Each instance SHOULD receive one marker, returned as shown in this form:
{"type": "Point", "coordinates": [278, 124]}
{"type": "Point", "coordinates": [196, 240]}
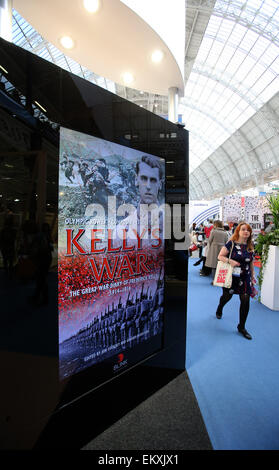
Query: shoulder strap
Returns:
{"type": "Point", "coordinates": [231, 250]}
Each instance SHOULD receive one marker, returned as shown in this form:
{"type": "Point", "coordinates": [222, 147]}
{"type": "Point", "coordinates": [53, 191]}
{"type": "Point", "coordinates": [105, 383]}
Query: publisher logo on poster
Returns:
{"type": "Point", "coordinates": [121, 362]}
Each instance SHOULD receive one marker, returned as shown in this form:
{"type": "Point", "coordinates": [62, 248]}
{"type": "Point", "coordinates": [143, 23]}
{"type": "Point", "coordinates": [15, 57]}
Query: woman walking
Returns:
{"type": "Point", "coordinates": [217, 238]}
{"type": "Point", "coordinates": [242, 258]}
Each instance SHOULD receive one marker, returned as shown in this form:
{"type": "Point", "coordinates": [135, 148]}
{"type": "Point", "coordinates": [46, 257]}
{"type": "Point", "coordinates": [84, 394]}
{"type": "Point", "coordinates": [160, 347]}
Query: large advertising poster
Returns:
{"type": "Point", "coordinates": [110, 253]}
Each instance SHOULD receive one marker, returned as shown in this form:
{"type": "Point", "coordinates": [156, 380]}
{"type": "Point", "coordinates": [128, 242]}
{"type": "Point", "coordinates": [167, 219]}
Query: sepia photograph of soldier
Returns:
{"type": "Point", "coordinates": [142, 219]}
{"type": "Point", "coordinates": [149, 176]}
{"type": "Point", "coordinates": [145, 220]}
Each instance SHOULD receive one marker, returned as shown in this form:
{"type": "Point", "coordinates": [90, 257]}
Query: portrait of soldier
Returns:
{"type": "Point", "coordinates": [145, 218]}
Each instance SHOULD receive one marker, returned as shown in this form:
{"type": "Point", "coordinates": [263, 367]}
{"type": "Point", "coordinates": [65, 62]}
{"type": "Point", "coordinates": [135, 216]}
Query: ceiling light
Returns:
{"type": "Point", "coordinates": [4, 70]}
{"type": "Point", "coordinates": [91, 5]}
{"type": "Point", "coordinates": [40, 106]}
{"type": "Point", "coordinates": [67, 42]}
{"type": "Point", "coordinates": [127, 78]}
{"type": "Point", "coordinates": [157, 56]}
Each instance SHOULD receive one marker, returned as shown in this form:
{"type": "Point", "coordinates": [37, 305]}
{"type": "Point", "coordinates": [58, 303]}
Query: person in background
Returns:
{"type": "Point", "coordinates": [201, 244]}
{"type": "Point", "coordinates": [241, 257]}
{"type": "Point", "coordinates": [204, 271]}
{"type": "Point", "coordinates": [234, 227]}
{"type": "Point", "coordinates": [201, 236]}
{"type": "Point", "coordinates": [208, 228]}
{"type": "Point", "coordinates": [7, 245]}
{"type": "Point", "coordinates": [270, 227]}
{"type": "Point", "coordinates": [227, 228]}
{"type": "Point", "coordinates": [217, 238]}
{"type": "Point", "coordinates": [193, 242]}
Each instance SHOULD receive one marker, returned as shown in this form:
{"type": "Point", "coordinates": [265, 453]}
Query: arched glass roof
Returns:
{"type": "Point", "coordinates": [235, 73]}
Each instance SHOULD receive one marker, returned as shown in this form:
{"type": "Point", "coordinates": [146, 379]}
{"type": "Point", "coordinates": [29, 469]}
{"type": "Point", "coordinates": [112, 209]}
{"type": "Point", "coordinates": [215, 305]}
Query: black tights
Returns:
{"type": "Point", "coordinates": [244, 305]}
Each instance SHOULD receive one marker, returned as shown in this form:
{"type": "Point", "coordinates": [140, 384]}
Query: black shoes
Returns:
{"type": "Point", "coordinates": [219, 313]}
{"type": "Point", "coordinates": [197, 263]}
{"type": "Point", "coordinates": [244, 332]}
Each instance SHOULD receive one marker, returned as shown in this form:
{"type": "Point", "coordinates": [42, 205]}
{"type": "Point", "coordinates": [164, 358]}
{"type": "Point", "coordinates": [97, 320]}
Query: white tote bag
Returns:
{"type": "Point", "coordinates": [223, 274]}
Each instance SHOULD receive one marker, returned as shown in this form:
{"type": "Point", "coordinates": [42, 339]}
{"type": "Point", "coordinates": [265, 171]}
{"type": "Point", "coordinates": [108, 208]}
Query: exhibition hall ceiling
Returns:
{"type": "Point", "coordinates": [234, 73]}
{"type": "Point", "coordinates": [230, 104]}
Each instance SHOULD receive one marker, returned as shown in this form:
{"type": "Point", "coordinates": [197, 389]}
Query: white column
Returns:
{"type": "Point", "coordinates": [6, 16]}
{"type": "Point", "coordinates": [269, 290]}
{"type": "Point", "coordinates": [173, 104]}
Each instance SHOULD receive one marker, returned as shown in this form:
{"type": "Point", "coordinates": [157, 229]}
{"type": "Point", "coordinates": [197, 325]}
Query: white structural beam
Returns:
{"type": "Point", "coordinates": [6, 19]}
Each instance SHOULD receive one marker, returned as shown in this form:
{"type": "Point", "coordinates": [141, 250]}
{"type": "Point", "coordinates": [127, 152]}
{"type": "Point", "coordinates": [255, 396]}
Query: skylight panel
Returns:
{"type": "Point", "coordinates": [226, 28]}
{"type": "Point", "coordinates": [249, 40]}
{"type": "Point", "coordinates": [238, 34]}
{"type": "Point", "coordinates": [213, 25]}
{"type": "Point", "coordinates": [262, 82]}
{"type": "Point", "coordinates": [214, 53]}
{"type": "Point", "coordinates": [254, 4]}
{"type": "Point", "coordinates": [246, 67]}
{"type": "Point", "coordinates": [44, 53]}
{"type": "Point", "coordinates": [206, 47]}
{"type": "Point", "coordinates": [270, 90]}
{"type": "Point", "coordinates": [269, 8]}
{"type": "Point", "coordinates": [75, 68]}
{"type": "Point", "coordinates": [235, 62]}
{"type": "Point", "coordinates": [271, 54]}
{"type": "Point", "coordinates": [260, 47]}
{"type": "Point", "coordinates": [225, 57]}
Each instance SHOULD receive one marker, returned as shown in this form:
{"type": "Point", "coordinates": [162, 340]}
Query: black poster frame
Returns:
{"type": "Point", "coordinates": [69, 418]}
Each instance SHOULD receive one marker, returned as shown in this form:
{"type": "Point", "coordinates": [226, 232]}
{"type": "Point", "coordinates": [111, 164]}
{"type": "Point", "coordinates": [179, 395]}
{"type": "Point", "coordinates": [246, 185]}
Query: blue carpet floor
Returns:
{"type": "Point", "coordinates": [236, 381]}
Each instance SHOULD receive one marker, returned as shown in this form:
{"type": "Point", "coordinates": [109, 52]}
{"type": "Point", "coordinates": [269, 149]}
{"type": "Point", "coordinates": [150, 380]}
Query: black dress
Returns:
{"type": "Point", "coordinates": [241, 284]}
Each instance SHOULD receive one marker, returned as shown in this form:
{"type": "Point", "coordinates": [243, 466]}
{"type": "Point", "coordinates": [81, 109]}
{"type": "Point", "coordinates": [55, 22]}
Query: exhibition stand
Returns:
{"type": "Point", "coordinates": [106, 326]}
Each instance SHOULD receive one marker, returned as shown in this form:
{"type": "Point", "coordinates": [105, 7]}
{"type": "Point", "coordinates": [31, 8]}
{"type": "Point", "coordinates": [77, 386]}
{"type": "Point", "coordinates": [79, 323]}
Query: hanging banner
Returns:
{"type": "Point", "coordinates": [200, 211]}
{"type": "Point", "coordinates": [110, 257]}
